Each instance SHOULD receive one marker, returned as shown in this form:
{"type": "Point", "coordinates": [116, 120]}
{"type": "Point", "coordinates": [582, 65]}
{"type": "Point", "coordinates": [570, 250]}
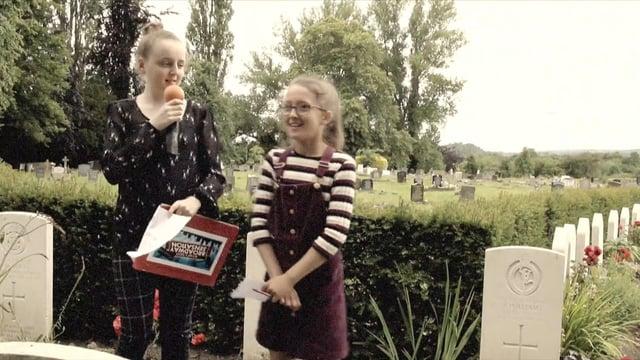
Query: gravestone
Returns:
{"type": "Point", "coordinates": [417, 192]}
{"type": "Point", "coordinates": [561, 245]}
{"type": "Point", "coordinates": [230, 179]}
{"type": "Point", "coordinates": [95, 165]}
{"type": "Point", "coordinates": [42, 169]}
{"type": "Point", "coordinates": [522, 304]}
{"type": "Point", "coordinates": [597, 234]}
{"type": "Point", "coordinates": [402, 176]}
{"type": "Point", "coordinates": [27, 291]}
{"type": "Point", "coordinates": [570, 233]}
{"type": "Point", "coordinates": [467, 192]}
{"type": "Point", "coordinates": [375, 174]}
{"type": "Point", "coordinates": [93, 175]}
{"type": "Point", "coordinates": [419, 179]}
{"type": "Point", "coordinates": [358, 184]}
{"type": "Point", "coordinates": [23, 167]}
{"type": "Point", "coordinates": [256, 168]}
{"type": "Point", "coordinates": [367, 185]}
{"type": "Point", "coordinates": [57, 172]}
{"type": "Point", "coordinates": [65, 161]}
{"type": "Point", "coordinates": [46, 351]}
{"type": "Point", "coordinates": [585, 184]}
{"type": "Point", "coordinates": [244, 167]}
{"type": "Point", "coordinates": [83, 170]}
{"type": "Point", "coordinates": [457, 176]}
{"type": "Point", "coordinates": [360, 169]}
{"type": "Point", "coordinates": [252, 183]}
{"type": "Point", "coordinates": [437, 181]}
{"type": "Point", "coordinates": [39, 172]}
{"type": "Point", "coordinates": [635, 213]}
{"type": "Point", "coordinates": [612, 225]}
{"type": "Point", "coordinates": [614, 183]}
{"type": "Point", "coordinates": [624, 222]}
{"type": "Point", "coordinates": [582, 238]}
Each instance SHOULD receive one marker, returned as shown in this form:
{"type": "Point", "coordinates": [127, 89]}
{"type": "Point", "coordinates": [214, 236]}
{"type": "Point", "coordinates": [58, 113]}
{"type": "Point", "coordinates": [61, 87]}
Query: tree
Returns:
{"type": "Point", "coordinates": [118, 31]}
{"type": "Point", "coordinates": [34, 115]}
{"type": "Point", "coordinates": [414, 57]}
{"type": "Point", "coordinates": [450, 157]}
{"type": "Point", "coordinates": [211, 42]}
{"type": "Point", "coordinates": [471, 166]}
{"type": "Point", "coordinates": [10, 49]}
{"type": "Point", "coordinates": [333, 42]}
{"type": "Point", "coordinates": [524, 162]}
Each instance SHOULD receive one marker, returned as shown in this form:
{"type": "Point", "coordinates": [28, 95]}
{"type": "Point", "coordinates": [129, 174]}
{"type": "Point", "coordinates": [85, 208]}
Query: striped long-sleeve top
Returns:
{"type": "Point", "coordinates": [338, 190]}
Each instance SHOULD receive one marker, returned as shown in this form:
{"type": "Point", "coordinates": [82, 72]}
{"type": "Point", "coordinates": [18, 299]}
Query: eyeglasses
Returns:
{"type": "Point", "coordinates": [301, 109]}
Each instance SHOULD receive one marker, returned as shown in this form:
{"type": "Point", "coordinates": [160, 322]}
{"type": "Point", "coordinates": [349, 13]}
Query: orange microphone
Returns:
{"type": "Point", "coordinates": [173, 92]}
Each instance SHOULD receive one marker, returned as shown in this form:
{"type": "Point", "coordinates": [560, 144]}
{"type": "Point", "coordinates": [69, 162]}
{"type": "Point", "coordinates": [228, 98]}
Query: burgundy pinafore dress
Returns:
{"type": "Point", "coordinates": [318, 331]}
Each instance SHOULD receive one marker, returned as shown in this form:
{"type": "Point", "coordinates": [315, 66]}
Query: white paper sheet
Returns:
{"type": "Point", "coordinates": [251, 289]}
{"type": "Point", "coordinates": [163, 227]}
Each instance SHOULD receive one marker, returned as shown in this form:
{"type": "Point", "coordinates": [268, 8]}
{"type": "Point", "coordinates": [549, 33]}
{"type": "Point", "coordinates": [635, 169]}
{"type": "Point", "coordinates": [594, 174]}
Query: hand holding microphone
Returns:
{"type": "Point", "coordinates": [174, 109]}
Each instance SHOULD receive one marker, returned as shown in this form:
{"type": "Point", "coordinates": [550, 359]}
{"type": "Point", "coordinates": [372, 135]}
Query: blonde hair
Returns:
{"type": "Point", "coordinates": [150, 34]}
{"type": "Point", "coordinates": [328, 98]}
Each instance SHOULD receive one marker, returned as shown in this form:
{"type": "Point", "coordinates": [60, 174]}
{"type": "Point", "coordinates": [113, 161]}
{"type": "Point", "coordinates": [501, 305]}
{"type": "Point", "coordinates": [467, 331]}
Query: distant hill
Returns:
{"type": "Point", "coordinates": [466, 150]}
{"type": "Point", "coordinates": [577, 152]}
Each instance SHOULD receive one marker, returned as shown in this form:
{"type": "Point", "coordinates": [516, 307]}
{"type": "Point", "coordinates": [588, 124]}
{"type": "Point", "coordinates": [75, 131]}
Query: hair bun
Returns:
{"type": "Point", "coordinates": [151, 27]}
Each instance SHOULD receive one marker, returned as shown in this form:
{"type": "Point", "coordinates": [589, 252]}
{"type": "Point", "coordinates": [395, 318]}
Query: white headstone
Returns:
{"type": "Point", "coordinates": [624, 222]}
{"type": "Point", "coordinates": [254, 269]}
{"type": "Point", "coordinates": [48, 351]}
{"type": "Point", "coordinates": [57, 172]}
{"type": "Point", "coordinates": [27, 291]}
{"type": "Point", "coordinates": [612, 225]}
{"type": "Point", "coordinates": [635, 213]}
{"type": "Point", "coordinates": [83, 170]}
{"type": "Point", "coordinates": [522, 304]}
{"type": "Point", "coordinates": [597, 234]}
{"type": "Point", "coordinates": [583, 238]}
{"type": "Point", "coordinates": [570, 233]}
{"type": "Point", "coordinates": [360, 169]}
{"type": "Point", "coordinates": [561, 245]}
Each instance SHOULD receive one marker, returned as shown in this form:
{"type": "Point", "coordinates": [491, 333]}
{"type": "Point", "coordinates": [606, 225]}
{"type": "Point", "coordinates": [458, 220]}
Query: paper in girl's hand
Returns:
{"type": "Point", "coordinates": [163, 227]}
{"type": "Point", "coordinates": [251, 289]}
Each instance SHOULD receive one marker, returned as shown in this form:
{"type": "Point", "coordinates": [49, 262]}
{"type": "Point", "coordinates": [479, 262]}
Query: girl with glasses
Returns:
{"type": "Point", "coordinates": [299, 223]}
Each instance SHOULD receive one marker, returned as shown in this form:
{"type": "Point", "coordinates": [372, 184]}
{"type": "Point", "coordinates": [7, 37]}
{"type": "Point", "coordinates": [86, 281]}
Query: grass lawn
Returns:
{"type": "Point", "coordinates": [386, 191]}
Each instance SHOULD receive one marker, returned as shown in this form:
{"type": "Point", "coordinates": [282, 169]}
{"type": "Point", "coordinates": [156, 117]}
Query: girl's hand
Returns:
{"type": "Point", "coordinates": [169, 113]}
{"type": "Point", "coordinates": [187, 207]}
{"type": "Point", "coordinates": [282, 291]}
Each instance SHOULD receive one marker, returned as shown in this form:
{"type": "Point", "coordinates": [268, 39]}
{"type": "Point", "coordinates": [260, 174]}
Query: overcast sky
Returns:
{"type": "Point", "coordinates": [549, 75]}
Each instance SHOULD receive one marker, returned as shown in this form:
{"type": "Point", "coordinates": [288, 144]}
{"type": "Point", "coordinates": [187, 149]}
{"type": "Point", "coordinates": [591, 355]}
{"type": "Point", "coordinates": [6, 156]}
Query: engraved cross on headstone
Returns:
{"type": "Point", "coordinates": [519, 344]}
{"type": "Point", "coordinates": [12, 299]}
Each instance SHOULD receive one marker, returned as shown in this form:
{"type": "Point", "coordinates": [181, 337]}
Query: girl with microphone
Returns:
{"type": "Point", "coordinates": [151, 167]}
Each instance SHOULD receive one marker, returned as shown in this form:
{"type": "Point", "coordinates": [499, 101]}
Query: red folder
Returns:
{"type": "Point", "coordinates": [196, 254]}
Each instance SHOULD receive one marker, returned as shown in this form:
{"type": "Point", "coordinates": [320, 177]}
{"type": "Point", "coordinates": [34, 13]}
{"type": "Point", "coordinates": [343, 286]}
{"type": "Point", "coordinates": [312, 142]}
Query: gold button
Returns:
{"type": "Point", "coordinates": [291, 192]}
{"type": "Point", "coordinates": [291, 252]}
{"type": "Point", "coordinates": [316, 186]}
{"type": "Point", "coordinates": [292, 231]}
{"type": "Point", "coordinates": [291, 211]}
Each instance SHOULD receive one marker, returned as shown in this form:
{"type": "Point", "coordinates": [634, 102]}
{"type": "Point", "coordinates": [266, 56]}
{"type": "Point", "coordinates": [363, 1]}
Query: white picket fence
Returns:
{"type": "Point", "coordinates": [571, 240]}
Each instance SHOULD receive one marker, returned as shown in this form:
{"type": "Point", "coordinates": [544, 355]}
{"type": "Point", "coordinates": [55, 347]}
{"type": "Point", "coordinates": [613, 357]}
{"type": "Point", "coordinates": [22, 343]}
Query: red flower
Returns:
{"type": "Point", "coordinates": [117, 326]}
{"type": "Point", "coordinates": [591, 254]}
{"type": "Point", "coordinates": [198, 339]}
{"type": "Point", "coordinates": [156, 305]}
{"type": "Point", "coordinates": [626, 357]}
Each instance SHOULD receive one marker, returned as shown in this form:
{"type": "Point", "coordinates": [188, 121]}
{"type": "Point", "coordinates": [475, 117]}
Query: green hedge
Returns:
{"type": "Point", "coordinates": [396, 246]}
